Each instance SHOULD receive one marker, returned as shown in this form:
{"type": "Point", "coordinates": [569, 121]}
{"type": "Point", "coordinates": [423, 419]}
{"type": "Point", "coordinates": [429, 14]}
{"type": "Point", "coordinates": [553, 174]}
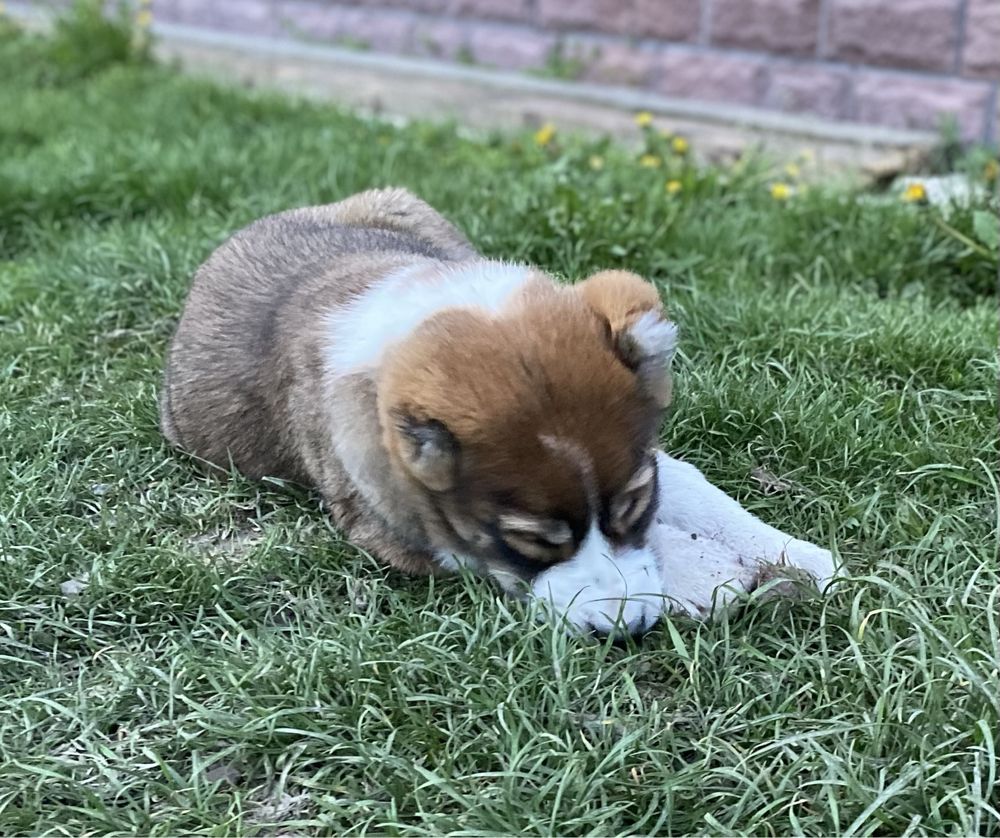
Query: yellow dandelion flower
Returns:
{"type": "Point", "coordinates": [643, 118]}
{"type": "Point", "coordinates": [596, 162]}
{"type": "Point", "coordinates": [915, 192]}
{"type": "Point", "coordinates": [991, 171]}
{"type": "Point", "coordinates": [649, 161]}
{"type": "Point", "coordinates": [673, 187]}
{"type": "Point", "coordinates": [679, 145]}
{"type": "Point", "coordinates": [781, 191]}
{"type": "Point", "coordinates": [792, 170]}
{"type": "Point", "coordinates": [544, 135]}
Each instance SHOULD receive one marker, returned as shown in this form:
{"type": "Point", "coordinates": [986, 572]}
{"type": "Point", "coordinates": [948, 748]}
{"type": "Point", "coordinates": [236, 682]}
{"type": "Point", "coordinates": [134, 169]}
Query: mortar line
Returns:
{"type": "Point", "coordinates": [961, 25]}
{"type": "Point", "coordinates": [822, 29]}
{"type": "Point", "coordinates": [990, 135]}
{"type": "Point", "coordinates": [705, 22]}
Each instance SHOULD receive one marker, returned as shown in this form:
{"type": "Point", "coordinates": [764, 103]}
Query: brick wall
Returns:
{"type": "Point", "coordinates": [899, 63]}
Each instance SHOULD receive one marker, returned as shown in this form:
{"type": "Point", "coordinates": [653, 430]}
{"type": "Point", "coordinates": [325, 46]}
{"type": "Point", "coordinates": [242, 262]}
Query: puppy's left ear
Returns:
{"type": "Point", "coordinates": [640, 334]}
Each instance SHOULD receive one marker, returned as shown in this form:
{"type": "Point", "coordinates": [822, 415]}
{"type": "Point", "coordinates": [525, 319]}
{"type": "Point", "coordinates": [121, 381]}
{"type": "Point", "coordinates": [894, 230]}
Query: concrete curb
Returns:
{"type": "Point", "coordinates": [621, 98]}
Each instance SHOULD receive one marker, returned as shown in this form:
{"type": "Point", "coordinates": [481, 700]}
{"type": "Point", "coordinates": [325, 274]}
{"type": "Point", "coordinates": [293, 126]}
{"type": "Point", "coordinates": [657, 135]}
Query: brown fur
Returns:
{"type": "Point", "coordinates": [450, 431]}
{"type": "Point", "coordinates": [620, 297]}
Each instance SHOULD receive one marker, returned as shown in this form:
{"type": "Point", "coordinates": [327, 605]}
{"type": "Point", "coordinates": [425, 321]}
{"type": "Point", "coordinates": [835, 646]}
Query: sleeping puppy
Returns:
{"type": "Point", "coordinates": [450, 409]}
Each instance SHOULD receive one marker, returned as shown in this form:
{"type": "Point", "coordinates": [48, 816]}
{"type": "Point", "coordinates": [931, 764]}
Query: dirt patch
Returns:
{"type": "Point", "coordinates": [280, 808]}
{"type": "Point", "coordinates": [231, 543]}
{"type": "Point", "coordinates": [769, 482]}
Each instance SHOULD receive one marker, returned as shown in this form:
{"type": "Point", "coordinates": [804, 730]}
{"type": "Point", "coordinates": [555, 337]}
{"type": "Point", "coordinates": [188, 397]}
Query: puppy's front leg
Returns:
{"type": "Point", "coordinates": [692, 509]}
{"type": "Point", "coordinates": [367, 531]}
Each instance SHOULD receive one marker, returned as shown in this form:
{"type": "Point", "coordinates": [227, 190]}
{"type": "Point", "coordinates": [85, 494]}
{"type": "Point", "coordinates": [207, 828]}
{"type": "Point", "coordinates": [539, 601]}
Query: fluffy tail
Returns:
{"type": "Point", "coordinates": [400, 210]}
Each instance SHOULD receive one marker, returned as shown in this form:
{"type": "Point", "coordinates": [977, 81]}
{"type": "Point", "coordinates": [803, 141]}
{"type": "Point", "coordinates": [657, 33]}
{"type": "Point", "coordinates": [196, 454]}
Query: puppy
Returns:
{"type": "Point", "coordinates": [450, 409]}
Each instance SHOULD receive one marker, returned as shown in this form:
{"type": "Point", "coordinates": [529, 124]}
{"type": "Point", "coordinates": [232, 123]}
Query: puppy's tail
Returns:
{"type": "Point", "coordinates": [399, 210]}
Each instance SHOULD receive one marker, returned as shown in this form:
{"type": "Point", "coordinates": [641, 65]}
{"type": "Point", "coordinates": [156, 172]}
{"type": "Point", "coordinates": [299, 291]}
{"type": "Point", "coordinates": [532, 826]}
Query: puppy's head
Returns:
{"type": "Point", "coordinates": [528, 436]}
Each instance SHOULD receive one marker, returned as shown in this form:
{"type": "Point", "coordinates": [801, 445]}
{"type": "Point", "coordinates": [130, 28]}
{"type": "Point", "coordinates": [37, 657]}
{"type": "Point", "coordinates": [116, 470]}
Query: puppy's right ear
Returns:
{"type": "Point", "coordinates": [429, 451]}
{"type": "Point", "coordinates": [639, 332]}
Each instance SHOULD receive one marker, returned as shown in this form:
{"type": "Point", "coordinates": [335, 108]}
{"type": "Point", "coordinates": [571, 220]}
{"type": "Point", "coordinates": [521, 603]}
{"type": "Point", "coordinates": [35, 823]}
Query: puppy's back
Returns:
{"type": "Point", "coordinates": [252, 326]}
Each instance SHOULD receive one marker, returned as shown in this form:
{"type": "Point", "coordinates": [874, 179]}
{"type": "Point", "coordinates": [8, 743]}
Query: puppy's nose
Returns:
{"type": "Point", "coordinates": [636, 629]}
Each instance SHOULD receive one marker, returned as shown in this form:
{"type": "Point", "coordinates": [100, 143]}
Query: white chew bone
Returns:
{"type": "Point", "coordinates": [711, 548]}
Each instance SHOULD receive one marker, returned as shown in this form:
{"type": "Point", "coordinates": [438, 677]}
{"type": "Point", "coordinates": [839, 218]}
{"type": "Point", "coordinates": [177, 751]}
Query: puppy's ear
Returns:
{"type": "Point", "coordinates": [428, 450]}
{"type": "Point", "coordinates": [638, 329]}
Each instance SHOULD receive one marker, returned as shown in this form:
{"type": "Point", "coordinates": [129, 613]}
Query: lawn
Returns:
{"type": "Point", "coordinates": [179, 656]}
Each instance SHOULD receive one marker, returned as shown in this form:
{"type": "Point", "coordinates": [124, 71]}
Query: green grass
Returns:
{"type": "Point", "coordinates": [231, 666]}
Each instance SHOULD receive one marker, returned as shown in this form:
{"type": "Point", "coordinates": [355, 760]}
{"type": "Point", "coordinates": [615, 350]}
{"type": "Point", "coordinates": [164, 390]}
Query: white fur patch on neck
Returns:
{"type": "Point", "coordinates": [387, 313]}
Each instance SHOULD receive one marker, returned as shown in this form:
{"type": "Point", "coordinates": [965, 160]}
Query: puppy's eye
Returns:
{"type": "Point", "coordinates": [631, 505]}
{"type": "Point", "coordinates": [626, 509]}
{"type": "Point", "coordinates": [537, 539]}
